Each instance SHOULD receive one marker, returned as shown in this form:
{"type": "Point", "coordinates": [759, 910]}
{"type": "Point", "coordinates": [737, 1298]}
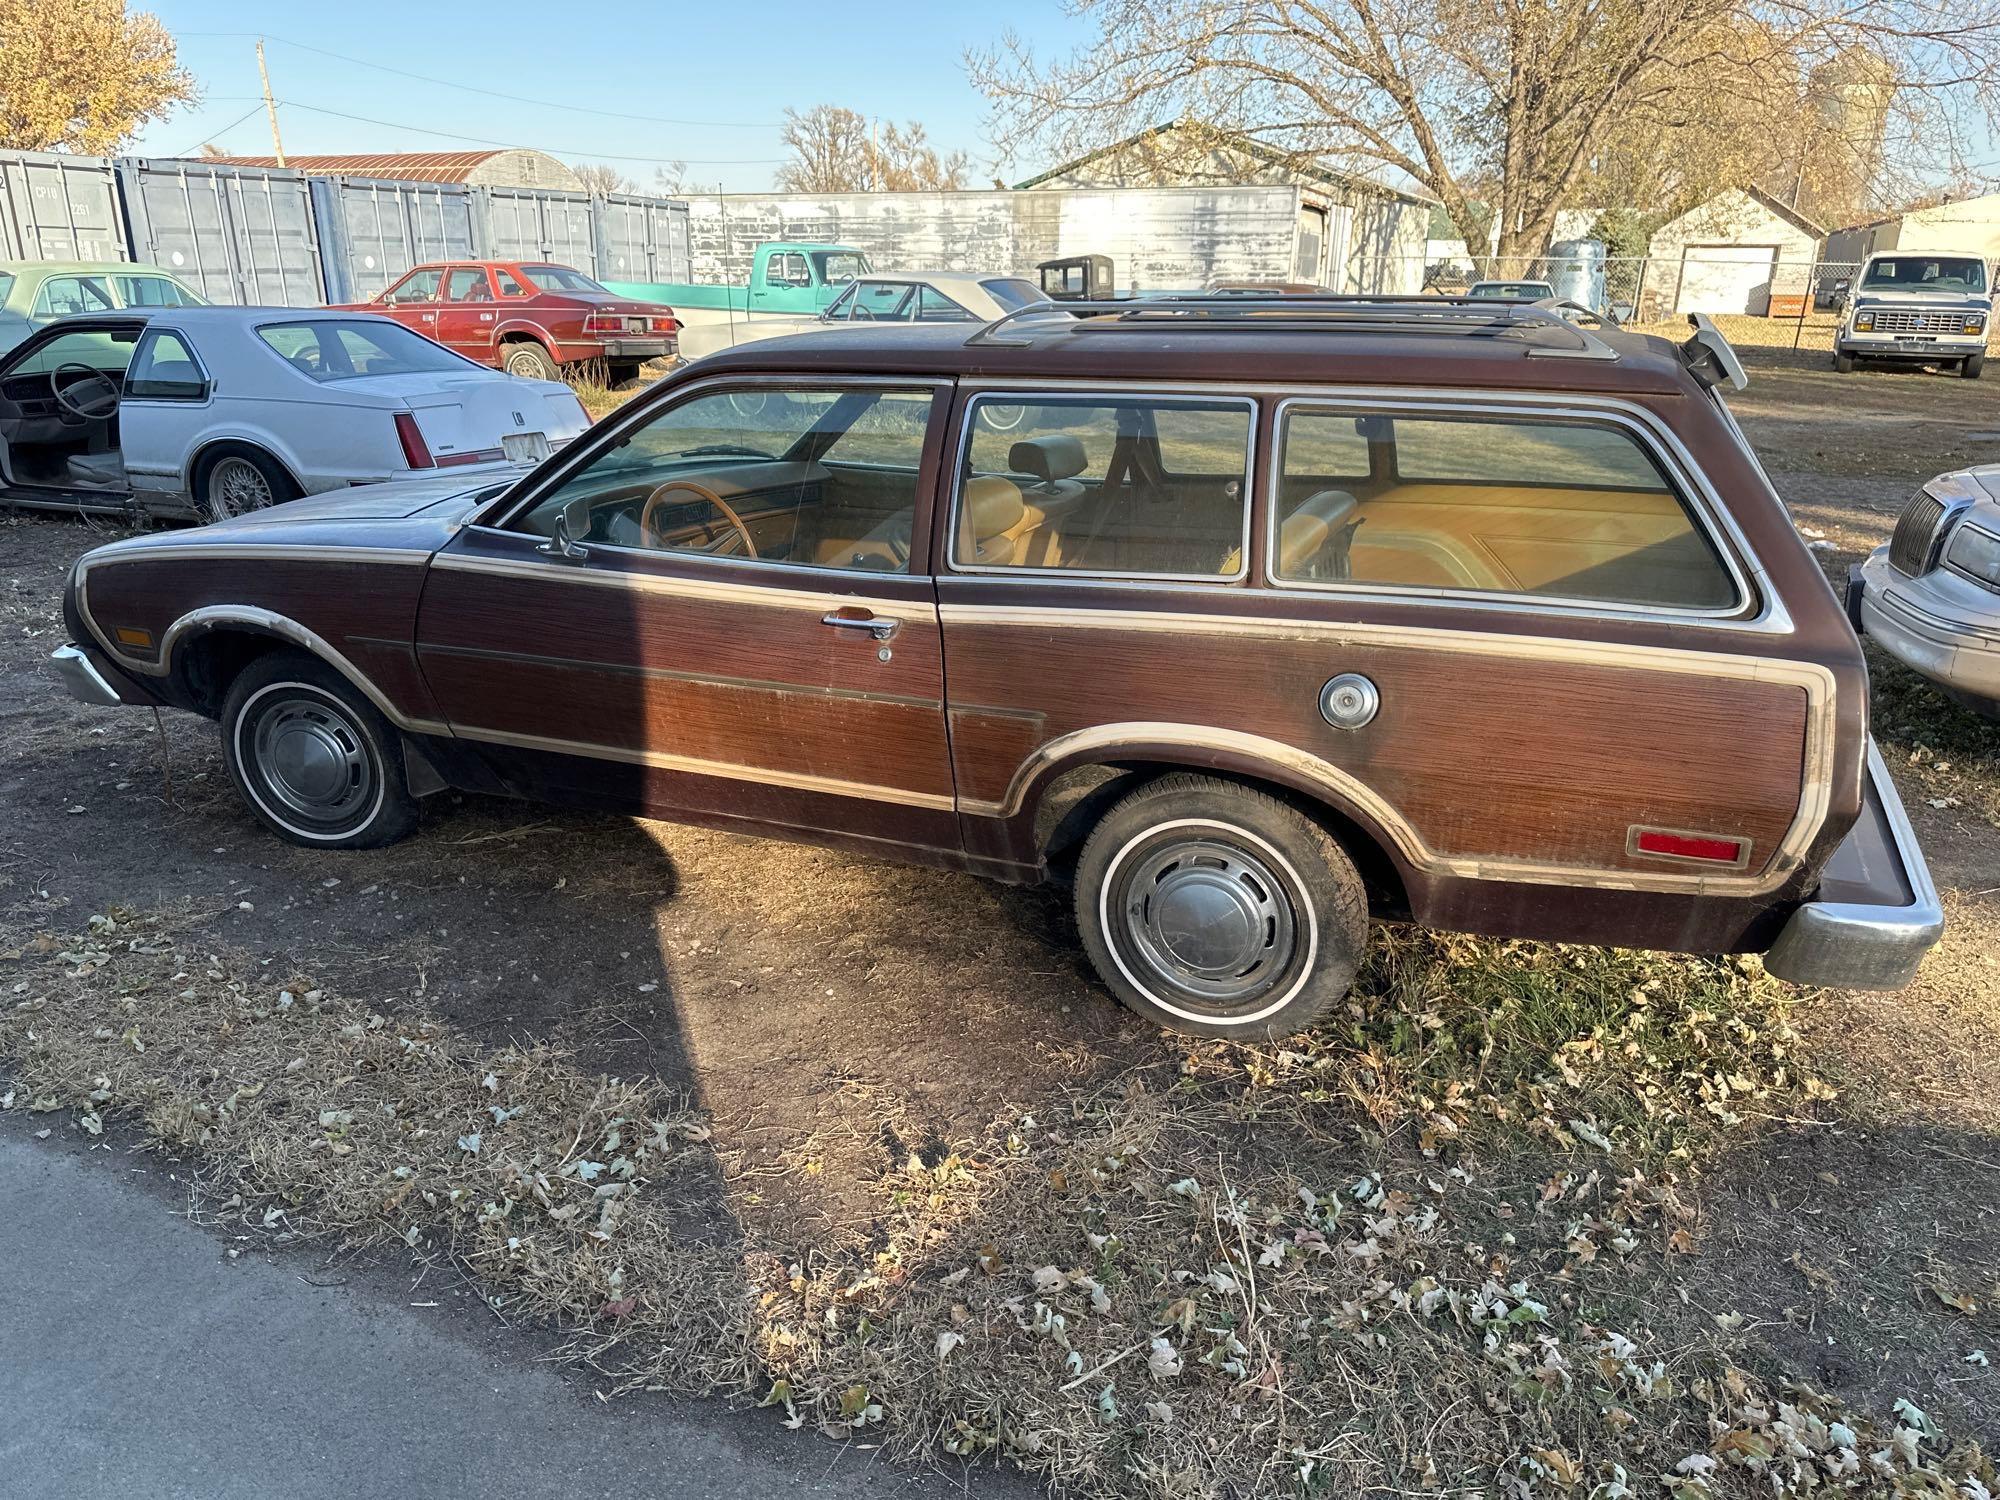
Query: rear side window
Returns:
{"type": "Point", "coordinates": [154, 291]}
{"type": "Point", "coordinates": [1137, 486]}
{"type": "Point", "coordinates": [325, 350]}
{"type": "Point", "coordinates": [1544, 507]}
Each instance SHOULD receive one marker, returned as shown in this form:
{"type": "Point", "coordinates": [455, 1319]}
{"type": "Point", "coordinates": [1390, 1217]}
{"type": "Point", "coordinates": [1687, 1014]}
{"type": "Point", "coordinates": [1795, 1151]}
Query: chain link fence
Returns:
{"type": "Point", "coordinates": [1758, 297]}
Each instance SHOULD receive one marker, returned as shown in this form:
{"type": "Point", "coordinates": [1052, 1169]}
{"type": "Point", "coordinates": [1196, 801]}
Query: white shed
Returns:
{"type": "Point", "coordinates": [1971, 225]}
{"type": "Point", "coordinates": [1732, 254]}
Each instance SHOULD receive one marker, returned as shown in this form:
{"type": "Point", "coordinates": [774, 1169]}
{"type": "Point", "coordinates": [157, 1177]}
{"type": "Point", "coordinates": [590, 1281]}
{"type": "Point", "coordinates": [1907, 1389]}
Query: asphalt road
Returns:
{"type": "Point", "coordinates": [137, 1359]}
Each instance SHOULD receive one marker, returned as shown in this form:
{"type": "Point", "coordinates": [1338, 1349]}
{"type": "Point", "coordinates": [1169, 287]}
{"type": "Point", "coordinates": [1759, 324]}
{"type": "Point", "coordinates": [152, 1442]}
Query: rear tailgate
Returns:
{"type": "Point", "coordinates": [485, 418]}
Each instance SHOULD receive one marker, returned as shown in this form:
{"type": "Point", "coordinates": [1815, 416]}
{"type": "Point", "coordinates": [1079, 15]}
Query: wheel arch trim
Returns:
{"type": "Point", "coordinates": [212, 441]}
{"type": "Point", "coordinates": [251, 620]}
{"type": "Point", "coordinates": [1202, 747]}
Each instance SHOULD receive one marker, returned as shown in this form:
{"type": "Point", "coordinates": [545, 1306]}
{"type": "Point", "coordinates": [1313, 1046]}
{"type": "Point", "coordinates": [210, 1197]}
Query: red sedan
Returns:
{"type": "Point", "coordinates": [528, 318]}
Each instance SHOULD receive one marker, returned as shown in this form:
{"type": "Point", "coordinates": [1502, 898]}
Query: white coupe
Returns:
{"type": "Point", "coordinates": [917, 297]}
{"type": "Point", "coordinates": [214, 411]}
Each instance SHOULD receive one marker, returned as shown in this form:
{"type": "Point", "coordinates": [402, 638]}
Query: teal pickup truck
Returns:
{"type": "Point", "coordinates": [787, 279]}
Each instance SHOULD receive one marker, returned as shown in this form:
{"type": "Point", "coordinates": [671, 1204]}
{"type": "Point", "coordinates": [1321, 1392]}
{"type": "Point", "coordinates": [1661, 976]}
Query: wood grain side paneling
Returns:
{"type": "Point", "coordinates": [1522, 760]}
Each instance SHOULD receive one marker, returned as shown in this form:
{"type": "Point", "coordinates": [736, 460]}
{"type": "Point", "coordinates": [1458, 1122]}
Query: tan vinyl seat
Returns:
{"type": "Point", "coordinates": [1305, 532]}
{"type": "Point", "coordinates": [996, 525]}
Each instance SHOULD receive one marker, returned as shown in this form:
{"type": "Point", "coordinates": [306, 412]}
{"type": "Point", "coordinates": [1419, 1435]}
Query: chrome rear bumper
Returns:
{"type": "Point", "coordinates": [81, 677]}
{"type": "Point", "coordinates": [1876, 914]}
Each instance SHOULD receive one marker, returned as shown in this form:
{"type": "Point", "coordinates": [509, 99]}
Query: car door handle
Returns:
{"type": "Point", "coordinates": [879, 626]}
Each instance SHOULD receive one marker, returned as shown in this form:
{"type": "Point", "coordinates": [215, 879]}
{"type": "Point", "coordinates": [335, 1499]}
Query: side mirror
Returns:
{"type": "Point", "coordinates": [560, 544]}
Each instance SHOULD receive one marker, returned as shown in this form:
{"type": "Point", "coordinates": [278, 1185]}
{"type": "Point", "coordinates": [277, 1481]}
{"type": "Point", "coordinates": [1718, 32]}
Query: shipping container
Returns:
{"type": "Point", "coordinates": [241, 235]}
{"type": "Point", "coordinates": [642, 239]}
{"type": "Point", "coordinates": [523, 224]}
{"type": "Point", "coordinates": [1158, 238]}
{"type": "Point", "coordinates": [59, 208]}
{"type": "Point", "coordinates": [373, 229]}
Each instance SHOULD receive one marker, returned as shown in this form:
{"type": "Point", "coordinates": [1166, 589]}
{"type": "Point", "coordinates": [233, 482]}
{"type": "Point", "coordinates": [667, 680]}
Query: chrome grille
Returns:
{"type": "Point", "coordinates": [1913, 546]}
{"type": "Point", "coordinates": [1916, 320]}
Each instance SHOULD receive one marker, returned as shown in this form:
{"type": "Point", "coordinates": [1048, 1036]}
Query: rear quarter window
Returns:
{"type": "Point", "coordinates": [1541, 507]}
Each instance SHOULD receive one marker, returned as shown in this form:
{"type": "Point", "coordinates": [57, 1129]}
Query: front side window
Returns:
{"type": "Point", "coordinates": [787, 270]}
{"type": "Point", "coordinates": [820, 477]}
{"type": "Point", "coordinates": [164, 369]}
{"type": "Point", "coordinates": [1926, 273]}
{"type": "Point", "coordinates": [106, 349]}
{"type": "Point", "coordinates": [884, 301]}
{"type": "Point", "coordinates": [66, 296]}
{"type": "Point", "coordinates": [1143, 486]}
{"type": "Point", "coordinates": [328, 350]}
{"type": "Point", "coordinates": [418, 286]}
{"type": "Point", "coordinates": [1539, 506]}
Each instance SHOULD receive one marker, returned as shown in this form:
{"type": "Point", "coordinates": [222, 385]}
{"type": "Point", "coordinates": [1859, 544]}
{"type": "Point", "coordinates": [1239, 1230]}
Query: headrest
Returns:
{"type": "Point", "coordinates": [992, 505]}
{"type": "Point", "coordinates": [1057, 456]}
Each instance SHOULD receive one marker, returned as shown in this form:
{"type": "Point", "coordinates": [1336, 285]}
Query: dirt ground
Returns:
{"type": "Point", "coordinates": [833, 1017]}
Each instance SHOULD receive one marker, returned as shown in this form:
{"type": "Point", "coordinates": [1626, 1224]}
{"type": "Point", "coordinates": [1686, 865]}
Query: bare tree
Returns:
{"type": "Point", "coordinates": [84, 75]}
{"type": "Point", "coordinates": [1515, 97]}
{"type": "Point", "coordinates": [835, 150]}
{"type": "Point", "coordinates": [600, 179]}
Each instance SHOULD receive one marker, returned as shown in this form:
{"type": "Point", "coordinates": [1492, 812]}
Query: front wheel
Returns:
{"type": "Point", "coordinates": [1974, 365]}
{"type": "Point", "coordinates": [314, 759]}
{"type": "Point", "coordinates": [1843, 364]}
{"type": "Point", "coordinates": [1220, 911]}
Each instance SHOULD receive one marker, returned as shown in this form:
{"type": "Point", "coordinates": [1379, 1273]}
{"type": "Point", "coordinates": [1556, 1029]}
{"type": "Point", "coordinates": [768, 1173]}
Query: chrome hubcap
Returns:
{"type": "Point", "coordinates": [236, 486]}
{"type": "Point", "coordinates": [313, 760]}
{"type": "Point", "coordinates": [1209, 918]}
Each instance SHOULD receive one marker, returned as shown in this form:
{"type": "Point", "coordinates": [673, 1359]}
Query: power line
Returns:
{"type": "Point", "coordinates": [581, 109]}
{"type": "Point", "coordinates": [479, 140]}
{"type": "Point", "coordinates": [216, 135]}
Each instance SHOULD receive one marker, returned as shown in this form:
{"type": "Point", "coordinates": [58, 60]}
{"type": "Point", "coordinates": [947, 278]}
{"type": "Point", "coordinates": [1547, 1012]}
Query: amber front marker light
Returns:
{"type": "Point", "coordinates": [128, 636]}
{"type": "Point", "coordinates": [1702, 848]}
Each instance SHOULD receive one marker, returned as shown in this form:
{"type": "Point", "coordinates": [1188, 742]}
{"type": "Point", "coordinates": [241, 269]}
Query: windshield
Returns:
{"type": "Point", "coordinates": [838, 267]}
{"type": "Point", "coordinates": [559, 279]}
{"type": "Point", "coordinates": [1012, 292]}
{"type": "Point", "coordinates": [1926, 273]}
{"type": "Point", "coordinates": [331, 350]}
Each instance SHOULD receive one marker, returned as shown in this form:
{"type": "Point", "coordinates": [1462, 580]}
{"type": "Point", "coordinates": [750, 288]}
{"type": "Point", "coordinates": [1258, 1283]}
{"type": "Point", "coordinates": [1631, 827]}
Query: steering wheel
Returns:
{"type": "Point", "coordinates": [649, 537]}
{"type": "Point", "coordinates": [95, 380]}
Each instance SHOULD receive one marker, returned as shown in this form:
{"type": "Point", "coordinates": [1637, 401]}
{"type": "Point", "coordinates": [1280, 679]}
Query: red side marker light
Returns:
{"type": "Point", "coordinates": [416, 452]}
{"type": "Point", "coordinates": [1705, 848]}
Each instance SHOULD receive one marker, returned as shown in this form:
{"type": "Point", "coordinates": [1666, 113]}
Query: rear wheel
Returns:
{"type": "Point", "coordinates": [237, 481]}
{"type": "Point", "coordinates": [528, 360]}
{"type": "Point", "coordinates": [1219, 911]}
{"type": "Point", "coordinates": [1973, 366]}
{"type": "Point", "coordinates": [1843, 363]}
{"type": "Point", "coordinates": [315, 760]}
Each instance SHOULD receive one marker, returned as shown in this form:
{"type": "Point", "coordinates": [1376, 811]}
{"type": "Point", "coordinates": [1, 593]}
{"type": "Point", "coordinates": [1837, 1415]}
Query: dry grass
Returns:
{"type": "Point", "coordinates": [1434, 1247]}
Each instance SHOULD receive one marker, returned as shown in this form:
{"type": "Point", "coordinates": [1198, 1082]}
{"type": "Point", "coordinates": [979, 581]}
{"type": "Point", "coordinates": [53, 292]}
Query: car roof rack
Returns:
{"type": "Point", "coordinates": [1481, 317]}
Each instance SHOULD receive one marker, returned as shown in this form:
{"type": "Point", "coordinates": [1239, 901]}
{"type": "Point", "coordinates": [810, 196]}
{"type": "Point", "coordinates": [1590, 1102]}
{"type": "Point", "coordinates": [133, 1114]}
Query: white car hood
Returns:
{"type": "Point", "coordinates": [392, 501]}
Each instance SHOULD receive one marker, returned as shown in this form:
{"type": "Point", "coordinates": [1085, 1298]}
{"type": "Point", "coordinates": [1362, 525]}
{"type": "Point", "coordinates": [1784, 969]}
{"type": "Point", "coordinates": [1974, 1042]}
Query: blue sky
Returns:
{"type": "Point", "coordinates": [744, 64]}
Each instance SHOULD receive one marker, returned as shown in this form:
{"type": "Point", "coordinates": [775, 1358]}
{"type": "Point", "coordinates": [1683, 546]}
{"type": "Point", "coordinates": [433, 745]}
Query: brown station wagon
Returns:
{"type": "Point", "coordinates": [1250, 618]}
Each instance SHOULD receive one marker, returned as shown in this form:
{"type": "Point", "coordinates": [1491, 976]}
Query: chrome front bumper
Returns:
{"type": "Point", "coordinates": [1940, 626]}
{"type": "Point", "coordinates": [1876, 913]}
{"type": "Point", "coordinates": [82, 679]}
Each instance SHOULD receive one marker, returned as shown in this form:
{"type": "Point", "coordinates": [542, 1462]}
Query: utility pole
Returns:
{"type": "Point", "coordinates": [270, 104]}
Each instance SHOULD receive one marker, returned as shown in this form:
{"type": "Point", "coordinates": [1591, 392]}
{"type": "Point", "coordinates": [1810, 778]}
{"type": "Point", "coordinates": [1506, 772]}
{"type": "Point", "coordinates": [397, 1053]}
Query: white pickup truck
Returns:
{"type": "Point", "coordinates": [1918, 307]}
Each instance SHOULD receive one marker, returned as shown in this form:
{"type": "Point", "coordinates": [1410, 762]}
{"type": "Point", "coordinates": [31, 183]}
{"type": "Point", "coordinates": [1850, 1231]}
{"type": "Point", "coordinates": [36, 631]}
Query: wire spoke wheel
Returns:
{"type": "Point", "coordinates": [236, 486]}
